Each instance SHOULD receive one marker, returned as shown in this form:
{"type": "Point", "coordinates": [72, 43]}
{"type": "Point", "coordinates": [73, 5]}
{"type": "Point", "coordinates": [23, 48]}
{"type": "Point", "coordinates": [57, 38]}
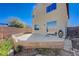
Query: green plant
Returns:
{"type": "Point", "coordinates": [15, 22]}
{"type": "Point", "coordinates": [5, 47]}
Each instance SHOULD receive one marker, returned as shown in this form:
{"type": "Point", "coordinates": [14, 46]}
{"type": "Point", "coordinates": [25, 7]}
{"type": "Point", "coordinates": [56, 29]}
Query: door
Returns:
{"type": "Point", "coordinates": [51, 27]}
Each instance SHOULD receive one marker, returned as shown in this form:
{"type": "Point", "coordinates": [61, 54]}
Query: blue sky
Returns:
{"type": "Point", "coordinates": [24, 12]}
{"type": "Point", "coordinates": [74, 14]}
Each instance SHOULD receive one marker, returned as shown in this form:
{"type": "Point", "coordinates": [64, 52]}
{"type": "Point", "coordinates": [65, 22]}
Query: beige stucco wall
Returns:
{"type": "Point", "coordinates": [41, 17]}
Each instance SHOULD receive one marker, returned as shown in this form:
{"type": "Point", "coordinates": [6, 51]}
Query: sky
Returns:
{"type": "Point", "coordinates": [74, 14]}
{"type": "Point", "coordinates": [24, 12]}
{"type": "Point", "coordinates": [21, 11]}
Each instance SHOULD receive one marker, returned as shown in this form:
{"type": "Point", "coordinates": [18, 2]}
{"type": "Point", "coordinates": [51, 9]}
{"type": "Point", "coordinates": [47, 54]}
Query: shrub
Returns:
{"type": "Point", "coordinates": [5, 47]}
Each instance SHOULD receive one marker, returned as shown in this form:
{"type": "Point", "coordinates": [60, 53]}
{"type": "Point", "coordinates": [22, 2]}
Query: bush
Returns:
{"type": "Point", "coordinates": [15, 22]}
{"type": "Point", "coordinates": [5, 47]}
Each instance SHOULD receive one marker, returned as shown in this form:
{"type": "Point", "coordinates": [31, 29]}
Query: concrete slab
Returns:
{"type": "Point", "coordinates": [39, 41]}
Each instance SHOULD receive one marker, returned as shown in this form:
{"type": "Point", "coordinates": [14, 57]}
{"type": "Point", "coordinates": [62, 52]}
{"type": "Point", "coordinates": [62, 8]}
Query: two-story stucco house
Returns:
{"type": "Point", "coordinates": [50, 19]}
{"type": "Point", "coordinates": [49, 27]}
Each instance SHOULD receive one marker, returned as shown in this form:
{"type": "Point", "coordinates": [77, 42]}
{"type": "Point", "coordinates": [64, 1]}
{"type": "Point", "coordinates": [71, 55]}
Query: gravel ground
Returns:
{"type": "Point", "coordinates": [34, 52]}
{"type": "Point", "coordinates": [26, 52]}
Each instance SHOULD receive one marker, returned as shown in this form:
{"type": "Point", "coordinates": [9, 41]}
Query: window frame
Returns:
{"type": "Point", "coordinates": [36, 27]}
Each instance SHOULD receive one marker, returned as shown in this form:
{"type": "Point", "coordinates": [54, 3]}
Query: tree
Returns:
{"type": "Point", "coordinates": [15, 22]}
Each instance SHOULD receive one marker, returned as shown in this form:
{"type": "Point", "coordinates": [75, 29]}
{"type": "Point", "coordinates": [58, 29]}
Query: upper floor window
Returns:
{"type": "Point", "coordinates": [36, 27]}
{"type": "Point", "coordinates": [51, 7]}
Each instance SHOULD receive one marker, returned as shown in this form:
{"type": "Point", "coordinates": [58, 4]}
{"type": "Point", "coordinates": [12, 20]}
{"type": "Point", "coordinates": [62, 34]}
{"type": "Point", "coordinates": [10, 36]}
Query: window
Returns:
{"type": "Point", "coordinates": [51, 7]}
{"type": "Point", "coordinates": [36, 27]}
{"type": "Point", "coordinates": [51, 25]}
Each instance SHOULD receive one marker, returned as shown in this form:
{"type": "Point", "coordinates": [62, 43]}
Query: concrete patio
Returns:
{"type": "Point", "coordinates": [38, 41]}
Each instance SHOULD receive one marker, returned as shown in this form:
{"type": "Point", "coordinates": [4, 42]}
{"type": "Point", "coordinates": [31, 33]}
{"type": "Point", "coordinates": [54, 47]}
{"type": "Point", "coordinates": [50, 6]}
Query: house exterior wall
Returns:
{"type": "Point", "coordinates": [41, 17]}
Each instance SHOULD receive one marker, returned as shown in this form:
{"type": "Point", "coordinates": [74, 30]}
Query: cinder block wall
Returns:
{"type": "Point", "coordinates": [6, 32]}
